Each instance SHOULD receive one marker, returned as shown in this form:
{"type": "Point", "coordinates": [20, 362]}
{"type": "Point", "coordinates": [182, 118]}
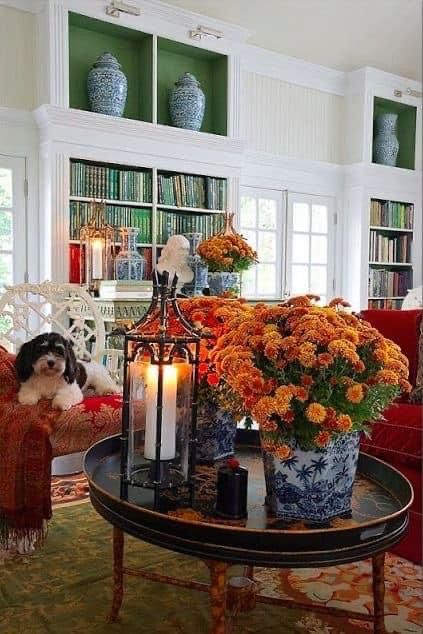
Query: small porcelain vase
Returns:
{"type": "Point", "coordinates": [196, 264]}
{"type": "Point", "coordinates": [386, 144]}
{"type": "Point", "coordinates": [130, 265]}
{"type": "Point", "coordinates": [224, 282]}
{"type": "Point", "coordinates": [187, 103]}
{"type": "Point", "coordinates": [216, 431]}
{"type": "Point", "coordinates": [107, 86]}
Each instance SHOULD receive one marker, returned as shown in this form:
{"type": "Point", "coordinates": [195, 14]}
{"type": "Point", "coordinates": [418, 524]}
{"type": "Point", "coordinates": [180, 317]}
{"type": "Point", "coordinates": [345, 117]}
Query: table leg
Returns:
{"type": "Point", "coordinates": [378, 564]}
{"type": "Point", "coordinates": [249, 572]}
{"type": "Point", "coordinates": [217, 593]}
{"type": "Point", "coordinates": [118, 544]}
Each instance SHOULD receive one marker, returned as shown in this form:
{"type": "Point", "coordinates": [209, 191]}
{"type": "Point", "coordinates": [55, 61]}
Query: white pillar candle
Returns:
{"type": "Point", "coordinates": [168, 440]}
{"type": "Point", "coordinates": [97, 259]}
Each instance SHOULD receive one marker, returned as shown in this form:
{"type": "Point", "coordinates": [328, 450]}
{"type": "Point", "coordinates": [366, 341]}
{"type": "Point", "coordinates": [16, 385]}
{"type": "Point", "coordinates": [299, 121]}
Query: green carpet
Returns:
{"type": "Point", "coordinates": [65, 588]}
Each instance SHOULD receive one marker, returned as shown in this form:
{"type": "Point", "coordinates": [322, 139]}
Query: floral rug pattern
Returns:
{"type": "Point", "coordinates": [66, 587]}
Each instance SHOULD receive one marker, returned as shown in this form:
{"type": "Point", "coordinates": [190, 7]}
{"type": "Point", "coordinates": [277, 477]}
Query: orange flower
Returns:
{"type": "Point", "coordinates": [269, 425]}
{"type": "Point", "coordinates": [325, 359]}
{"type": "Point", "coordinates": [355, 393]}
{"type": "Point", "coordinates": [316, 413]}
{"type": "Point", "coordinates": [322, 439]}
{"type": "Point", "coordinates": [343, 423]}
{"type": "Point", "coordinates": [306, 380]}
{"type": "Point", "coordinates": [288, 417]}
{"type": "Point", "coordinates": [212, 379]}
{"type": "Point", "coordinates": [300, 393]}
{"type": "Point", "coordinates": [283, 452]}
{"type": "Point", "coordinates": [386, 376]}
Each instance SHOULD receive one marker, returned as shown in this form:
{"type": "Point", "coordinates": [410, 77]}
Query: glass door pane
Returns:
{"type": "Point", "coordinates": [12, 221]}
{"type": "Point", "coordinates": [310, 245]}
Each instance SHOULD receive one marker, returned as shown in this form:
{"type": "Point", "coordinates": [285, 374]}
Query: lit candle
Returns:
{"type": "Point", "coordinates": [168, 441]}
{"type": "Point", "coordinates": [97, 259]}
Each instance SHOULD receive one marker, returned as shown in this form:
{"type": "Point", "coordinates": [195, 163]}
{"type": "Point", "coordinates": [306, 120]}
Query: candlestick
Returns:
{"type": "Point", "coordinates": [97, 259]}
{"type": "Point", "coordinates": [168, 439]}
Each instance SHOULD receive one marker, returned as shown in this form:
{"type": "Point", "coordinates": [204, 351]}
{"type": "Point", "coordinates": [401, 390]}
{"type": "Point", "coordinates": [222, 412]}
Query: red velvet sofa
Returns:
{"type": "Point", "coordinates": [398, 438]}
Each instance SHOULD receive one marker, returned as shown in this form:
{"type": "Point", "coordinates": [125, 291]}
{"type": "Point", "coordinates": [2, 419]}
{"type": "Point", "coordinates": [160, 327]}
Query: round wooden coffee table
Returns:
{"type": "Point", "coordinates": [379, 519]}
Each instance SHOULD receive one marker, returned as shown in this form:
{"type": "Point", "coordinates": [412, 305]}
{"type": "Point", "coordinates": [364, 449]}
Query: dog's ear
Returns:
{"type": "Point", "coordinates": [71, 363]}
{"type": "Point", "coordinates": [24, 360]}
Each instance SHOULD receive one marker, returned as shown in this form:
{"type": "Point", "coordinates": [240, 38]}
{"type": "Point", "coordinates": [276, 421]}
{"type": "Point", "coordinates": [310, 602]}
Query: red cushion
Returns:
{"type": "Point", "coordinates": [398, 438]}
{"type": "Point", "coordinates": [403, 327]}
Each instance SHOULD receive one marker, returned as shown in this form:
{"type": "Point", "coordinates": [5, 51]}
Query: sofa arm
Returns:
{"type": "Point", "coordinates": [9, 383]}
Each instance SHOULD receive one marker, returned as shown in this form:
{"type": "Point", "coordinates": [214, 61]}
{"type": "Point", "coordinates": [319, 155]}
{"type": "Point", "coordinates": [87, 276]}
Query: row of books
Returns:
{"type": "Point", "coordinates": [386, 249]}
{"type": "Point", "coordinates": [170, 223]}
{"type": "Point", "coordinates": [185, 190]}
{"type": "Point", "coordinates": [99, 181]}
{"type": "Point", "coordinates": [386, 304]}
{"type": "Point", "coordinates": [391, 214]}
{"type": "Point", "coordinates": [384, 283]}
{"type": "Point", "coordinates": [116, 215]}
{"type": "Point", "coordinates": [75, 263]}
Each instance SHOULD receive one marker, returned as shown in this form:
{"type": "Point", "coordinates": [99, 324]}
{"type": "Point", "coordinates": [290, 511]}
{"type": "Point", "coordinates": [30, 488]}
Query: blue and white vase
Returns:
{"type": "Point", "coordinates": [187, 103]}
{"type": "Point", "coordinates": [386, 144]}
{"type": "Point", "coordinates": [129, 264]}
{"type": "Point", "coordinates": [224, 282]}
{"type": "Point", "coordinates": [197, 265]}
{"type": "Point", "coordinates": [216, 430]}
{"type": "Point", "coordinates": [314, 485]}
{"type": "Point", "coordinates": [107, 86]}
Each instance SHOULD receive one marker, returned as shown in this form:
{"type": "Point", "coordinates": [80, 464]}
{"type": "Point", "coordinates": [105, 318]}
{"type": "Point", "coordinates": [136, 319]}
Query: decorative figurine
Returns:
{"type": "Point", "coordinates": [174, 259]}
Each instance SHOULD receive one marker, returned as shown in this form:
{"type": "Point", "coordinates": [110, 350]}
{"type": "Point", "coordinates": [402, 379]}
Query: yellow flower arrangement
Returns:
{"type": "Point", "coordinates": [227, 252]}
{"type": "Point", "coordinates": [308, 372]}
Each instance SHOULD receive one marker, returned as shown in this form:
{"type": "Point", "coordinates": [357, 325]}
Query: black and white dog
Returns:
{"type": "Point", "coordinates": [47, 368]}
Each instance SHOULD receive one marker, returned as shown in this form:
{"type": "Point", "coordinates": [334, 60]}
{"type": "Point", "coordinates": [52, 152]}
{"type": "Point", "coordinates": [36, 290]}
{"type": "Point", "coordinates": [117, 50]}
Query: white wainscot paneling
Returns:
{"type": "Point", "coordinates": [17, 59]}
{"type": "Point", "coordinates": [290, 120]}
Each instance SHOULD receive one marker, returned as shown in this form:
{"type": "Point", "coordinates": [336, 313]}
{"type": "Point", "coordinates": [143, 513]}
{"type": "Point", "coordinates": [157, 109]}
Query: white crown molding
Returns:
{"type": "Point", "coordinates": [148, 141]}
{"type": "Point", "coordinates": [376, 76]}
{"type": "Point", "coordinates": [16, 116]}
{"type": "Point", "coordinates": [292, 70]}
{"type": "Point", "coordinates": [384, 181]}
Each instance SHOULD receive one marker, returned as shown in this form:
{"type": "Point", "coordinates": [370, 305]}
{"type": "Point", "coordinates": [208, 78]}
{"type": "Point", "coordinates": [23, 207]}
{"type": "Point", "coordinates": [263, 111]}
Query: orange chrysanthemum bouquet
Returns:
{"type": "Point", "coordinates": [312, 377]}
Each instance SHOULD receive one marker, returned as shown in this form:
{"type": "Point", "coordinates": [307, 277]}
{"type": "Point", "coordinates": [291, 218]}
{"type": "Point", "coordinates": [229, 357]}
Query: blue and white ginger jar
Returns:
{"type": "Point", "coordinates": [216, 431]}
{"type": "Point", "coordinates": [314, 485]}
{"type": "Point", "coordinates": [187, 103]}
{"type": "Point", "coordinates": [197, 266]}
{"type": "Point", "coordinates": [386, 144]}
{"type": "Point", "coordinates": [224, 282]}
{"type": "Point", "coordinates": [107, 86]}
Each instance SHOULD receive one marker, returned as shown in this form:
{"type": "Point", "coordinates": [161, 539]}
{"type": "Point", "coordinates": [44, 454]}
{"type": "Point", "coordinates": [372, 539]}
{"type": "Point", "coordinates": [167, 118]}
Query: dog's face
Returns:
{"type": "Point", "coordinates": [49, 354]}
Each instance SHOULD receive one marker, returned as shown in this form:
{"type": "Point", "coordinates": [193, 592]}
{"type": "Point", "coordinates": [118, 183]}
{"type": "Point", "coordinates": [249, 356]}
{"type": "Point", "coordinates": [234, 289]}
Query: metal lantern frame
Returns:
{"type": "Point", "coordinates": [96, 229]}
{"type": "Point", "coordinates": [161, 348]}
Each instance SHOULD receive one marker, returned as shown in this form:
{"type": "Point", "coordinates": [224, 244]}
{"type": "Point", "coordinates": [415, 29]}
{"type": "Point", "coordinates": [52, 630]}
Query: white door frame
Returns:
{"type": "Point", "coordinates": [20, 215]}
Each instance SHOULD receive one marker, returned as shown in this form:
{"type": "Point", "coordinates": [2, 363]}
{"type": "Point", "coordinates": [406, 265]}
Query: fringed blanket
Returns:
{"type": "Point", "coordinates": [26, 452]}
{"type": "Point", "coordinates": [25, 463]}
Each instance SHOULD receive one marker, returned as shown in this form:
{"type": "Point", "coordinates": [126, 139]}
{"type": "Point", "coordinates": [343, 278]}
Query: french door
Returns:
{"type": "Point", "coordinates": [294, 236]}
{"type": "Point", "coordinates": [13, 225]}
{"type": "Point", "coordinates": [310, 246]}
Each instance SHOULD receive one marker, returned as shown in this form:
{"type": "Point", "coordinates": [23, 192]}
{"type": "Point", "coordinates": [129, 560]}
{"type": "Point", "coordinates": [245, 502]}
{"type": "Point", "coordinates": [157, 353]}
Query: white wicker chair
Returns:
{"type": "Point", "coordinates": [26, 310]}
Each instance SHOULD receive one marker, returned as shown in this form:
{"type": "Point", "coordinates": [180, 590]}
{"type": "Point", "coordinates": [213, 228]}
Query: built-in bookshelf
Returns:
{"type": "Point", "coordinates": [147, 60]}
{"type": "Point", "coordinates": [183, 203]}
{"type": "Point", "coordinates": [390, 253]}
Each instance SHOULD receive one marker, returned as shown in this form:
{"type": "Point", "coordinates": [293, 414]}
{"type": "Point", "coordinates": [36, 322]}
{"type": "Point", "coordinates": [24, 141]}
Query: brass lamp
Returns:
{"type": "Point", "coordinates": [96, 240]}
{"type": "Point", "coordinates": [159, 416]}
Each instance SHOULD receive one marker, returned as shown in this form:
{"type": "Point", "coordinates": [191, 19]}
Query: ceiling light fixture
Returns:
{"type": "Point", "coordinates": [115, 8]}
{"type": "Point", "coordinates": [408, 91]}
{"type": "Point", "coordinates": [204, 31]}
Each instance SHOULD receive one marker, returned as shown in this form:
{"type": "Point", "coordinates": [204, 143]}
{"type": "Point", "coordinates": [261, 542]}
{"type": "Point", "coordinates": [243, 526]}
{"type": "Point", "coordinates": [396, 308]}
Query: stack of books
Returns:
{"type": "Point", "coordinates": [391, 214]}
{"type": "Point", "coordinates": [99, 181]}
{"type": "Point", "coordinates": [185, 190]}
{"type": "Point", "coordinates": [387, 249]}
{"type": "Point", "coordinates": [126, 289]}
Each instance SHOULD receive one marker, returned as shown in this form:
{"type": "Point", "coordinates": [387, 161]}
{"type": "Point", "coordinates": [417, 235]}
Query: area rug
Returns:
{"type": "Point", "coordinates": [66, 587]}
{"type": "Point", "coordinates": [69, 489]}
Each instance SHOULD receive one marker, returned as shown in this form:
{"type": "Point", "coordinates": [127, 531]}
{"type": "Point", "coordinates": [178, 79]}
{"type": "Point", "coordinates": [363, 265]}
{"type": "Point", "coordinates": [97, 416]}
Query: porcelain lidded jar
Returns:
{"type": "Point", "coordinates": [107, 86]}
{"type": "Point", "coordinates": [187, 103]}
{"type": "Point", "coordinates": [130, 265]}
{"type": "Point", "coordinates": [386, 144]}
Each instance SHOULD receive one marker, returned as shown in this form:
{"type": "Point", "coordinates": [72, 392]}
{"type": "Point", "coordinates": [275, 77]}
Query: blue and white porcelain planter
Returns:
{"type": "Point", "coordinates": [216, 430]}
{"type": "Point", "coordinates": [197, 266]}
{"type": "Point", "coordinates": [314, 485]}
{"type": "Point", "coordinates": [386, 144]}
{"type": "Point", "coordinates": [107, 86]}
{"type": "Point", "coordinates": [187, 103]}
{"type": "Point", "coordinates": [224, 282]}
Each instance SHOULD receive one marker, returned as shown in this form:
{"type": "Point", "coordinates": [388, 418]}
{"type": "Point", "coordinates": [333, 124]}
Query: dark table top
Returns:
{"type": "Point", "coordinates": [381, 497]}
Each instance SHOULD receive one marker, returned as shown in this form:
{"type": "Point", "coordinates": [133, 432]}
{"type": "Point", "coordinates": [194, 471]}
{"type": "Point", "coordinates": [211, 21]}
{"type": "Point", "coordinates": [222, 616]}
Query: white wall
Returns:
{"type": "Point", "coordinates": [290, 120]}
{"type": "Point", "coordinates": [17, 59]}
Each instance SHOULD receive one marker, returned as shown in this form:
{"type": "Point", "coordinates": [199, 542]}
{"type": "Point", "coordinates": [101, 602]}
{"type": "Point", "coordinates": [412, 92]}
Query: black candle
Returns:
{"type": "Point", "coordinates": [232, 484]}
